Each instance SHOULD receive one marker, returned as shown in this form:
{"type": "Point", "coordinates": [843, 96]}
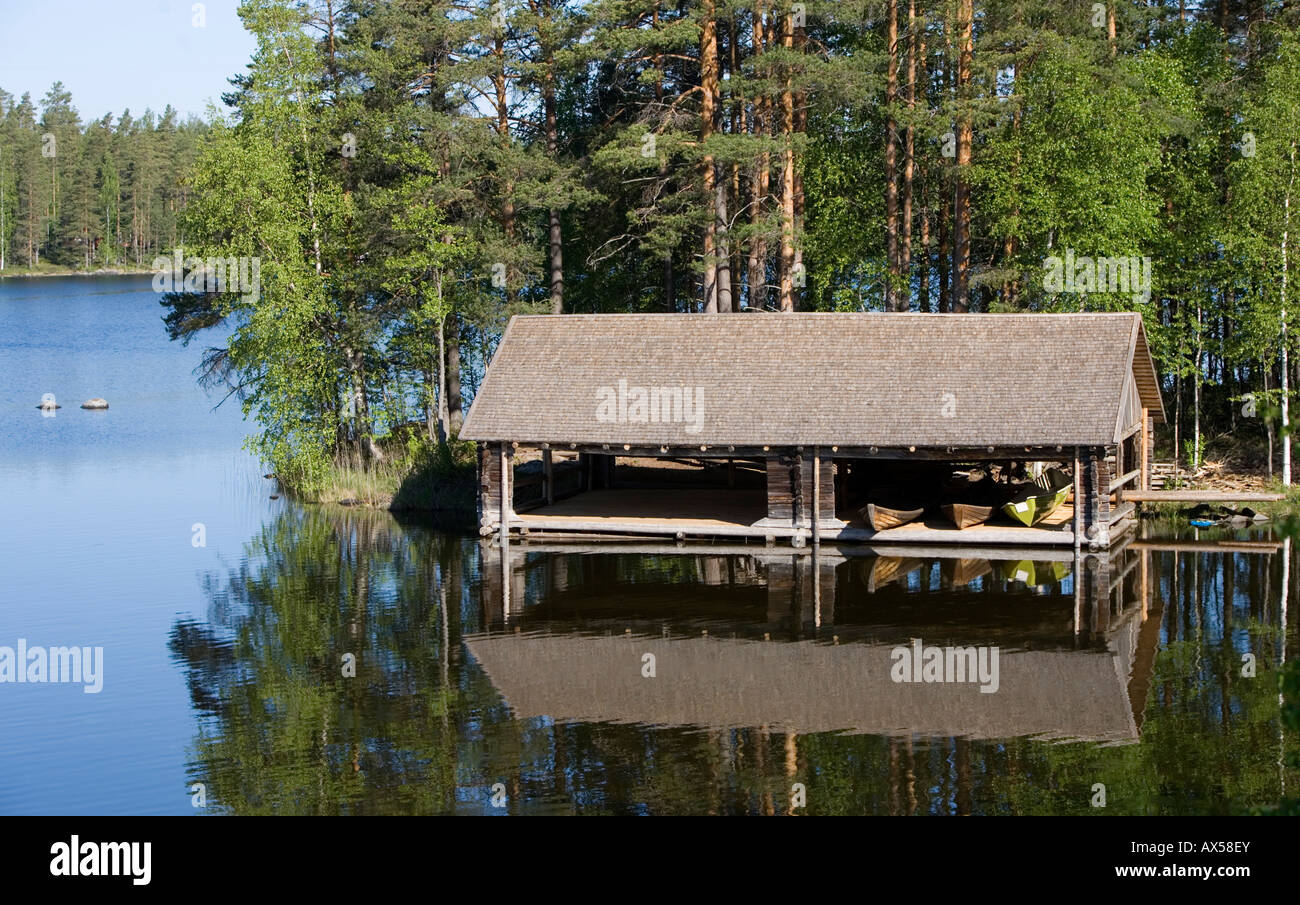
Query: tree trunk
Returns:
{"type": "Point", "coordinates": [1196, 395]}
{"type": "Point", "coordinates": [944, 260]}
{"type": "Point", "coordinates": [760, 181]}
{"type": "Point", "coordinates": [556, 264]}
{"type": "Point", "coordinates": [961, 197]}
{"type": "Point", "coordinates": [786, 296]}
{"type": "Point", "coordinates": [556, 238]}
{"type": "Point", "coordinates": [709, 91]}
{"type": "Point", "coordinates": [891, 154]}
{"type": "Point", "coordinates": [723, 246]}
{"type": "Point", "coordinates": [363, 434]}
{"type": "Point", "coordinates": [800, 128]}
{"type": "Point", "coordinates": [1286, 379]}
{"type": "Point", "coordinates": [1268, 425]}
{"type": "Point", "coordinates": [909, 162]}
{"type": "Point", "coordinates": [739, 126]}
{"type": "Point", "coordinates": [440, 433]}
{"type": "Point", "coordinates": [455, 404]}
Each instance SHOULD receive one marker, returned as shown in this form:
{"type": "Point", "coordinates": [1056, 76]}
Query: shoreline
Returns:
{"type": "Point", "coordinates": [6, 274]}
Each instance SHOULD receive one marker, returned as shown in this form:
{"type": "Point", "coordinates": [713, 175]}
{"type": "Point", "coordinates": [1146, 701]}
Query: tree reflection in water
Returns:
{"type": "Point", "coordinates": [475, 669]}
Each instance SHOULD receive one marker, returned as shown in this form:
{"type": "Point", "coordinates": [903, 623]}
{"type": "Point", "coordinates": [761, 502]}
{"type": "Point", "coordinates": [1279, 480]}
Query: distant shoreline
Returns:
{"type": "Point", "coordinates": [74, 273]}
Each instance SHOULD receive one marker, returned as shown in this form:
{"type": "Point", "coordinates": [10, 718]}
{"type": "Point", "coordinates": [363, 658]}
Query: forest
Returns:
{"type": "Point", "coordinates": [411, 173]}
{"type": "Point", "coordinates": [100, 194]}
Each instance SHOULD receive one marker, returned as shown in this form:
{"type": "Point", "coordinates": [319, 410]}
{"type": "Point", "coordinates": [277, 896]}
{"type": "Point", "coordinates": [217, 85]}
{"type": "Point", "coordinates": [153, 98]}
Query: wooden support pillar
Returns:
{"type": "Point", "coordinates": [1145, 481]}
{"type": "Point", "coordinates": [798, 509]}
{"type": "Point", "coordinates": [548, 475]}
{"type": "Point", "coordinates": [1078, 508]}
{"type": "Point", "coordinates": [507, 489]}
{"type": "Point", "coordinates": [1096, 498]}
{"type": "Point", "coordinates": [816, 500]}
{"type": "Point", "coordinates": [1120, 465]}
{"type": "Point", "coordinates": [780, 492]}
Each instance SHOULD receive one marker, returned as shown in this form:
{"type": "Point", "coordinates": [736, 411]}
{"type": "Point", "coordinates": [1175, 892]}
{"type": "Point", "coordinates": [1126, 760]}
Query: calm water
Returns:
{"type": "Point", "coordinates": [523, 673]}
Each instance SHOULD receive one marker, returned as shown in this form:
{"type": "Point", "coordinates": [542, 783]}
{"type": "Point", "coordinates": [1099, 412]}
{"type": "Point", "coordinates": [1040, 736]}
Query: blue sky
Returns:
{"type": "Point", "coordinates": [114, 54]}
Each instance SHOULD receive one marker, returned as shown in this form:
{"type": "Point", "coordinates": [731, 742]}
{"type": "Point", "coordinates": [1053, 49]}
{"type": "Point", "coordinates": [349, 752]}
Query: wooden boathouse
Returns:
{"type": "Point", "coordinates": [779, 426]}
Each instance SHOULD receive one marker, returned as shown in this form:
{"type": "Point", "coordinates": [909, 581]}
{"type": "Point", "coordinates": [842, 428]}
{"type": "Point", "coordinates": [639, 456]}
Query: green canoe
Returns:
{"type": "Point", "coordinates": [1040, 499]}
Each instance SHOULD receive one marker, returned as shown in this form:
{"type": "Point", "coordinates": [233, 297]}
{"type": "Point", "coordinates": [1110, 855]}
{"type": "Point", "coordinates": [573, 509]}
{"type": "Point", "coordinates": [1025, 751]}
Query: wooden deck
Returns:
{"type": "Point", "coordinates": [737, 513]}
{"type": "Point", "coordinates": [1200, 496]}
{"type": "Point", "coordinates": [1056, 529]}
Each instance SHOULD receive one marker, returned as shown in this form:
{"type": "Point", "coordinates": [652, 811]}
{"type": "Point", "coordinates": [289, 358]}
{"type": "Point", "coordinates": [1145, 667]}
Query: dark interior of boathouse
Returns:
{"type": "Point", "coordinates": [812, 413]}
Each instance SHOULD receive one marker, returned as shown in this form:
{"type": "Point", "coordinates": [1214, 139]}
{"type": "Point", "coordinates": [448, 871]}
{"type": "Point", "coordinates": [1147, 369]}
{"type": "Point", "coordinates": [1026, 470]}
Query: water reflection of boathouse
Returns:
{"type": "Point", "coordinates": [801, 641]}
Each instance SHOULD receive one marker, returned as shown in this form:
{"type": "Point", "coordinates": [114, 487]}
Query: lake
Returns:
{"type": "Point", "coordinates": [267, 657]}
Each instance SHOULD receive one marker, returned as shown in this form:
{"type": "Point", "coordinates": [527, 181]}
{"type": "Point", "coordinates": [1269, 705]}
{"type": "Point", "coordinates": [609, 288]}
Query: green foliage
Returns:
{"type": "Point", "coordinates": [1289, 687]}
{"type": "Point", "coordinates": [80, 195]}
{"type": "Point", "coordinates": [412, 173]}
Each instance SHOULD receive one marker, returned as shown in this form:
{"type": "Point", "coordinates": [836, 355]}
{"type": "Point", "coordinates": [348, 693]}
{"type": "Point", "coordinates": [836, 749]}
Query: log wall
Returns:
{"type": "Point", "coordinates": [1096, 496]}
{"type": "Point", "coordinates": [790, 485]}
{"type": "Point", "coordinates": [489, 485]}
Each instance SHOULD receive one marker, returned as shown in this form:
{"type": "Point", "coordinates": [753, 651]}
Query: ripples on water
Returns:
{"type": "Point", "coordinates": [525, 672]}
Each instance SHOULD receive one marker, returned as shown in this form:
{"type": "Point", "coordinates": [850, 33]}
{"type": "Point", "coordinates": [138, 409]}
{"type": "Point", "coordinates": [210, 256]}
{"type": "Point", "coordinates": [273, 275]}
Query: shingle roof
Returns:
{"type": "Point", "coordinates": [810, 378]}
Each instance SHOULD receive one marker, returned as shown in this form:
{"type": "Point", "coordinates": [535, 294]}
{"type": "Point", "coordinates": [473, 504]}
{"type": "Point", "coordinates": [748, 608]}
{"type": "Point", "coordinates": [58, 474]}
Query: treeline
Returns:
{"type": "Point", "coordinates": [93, 194]}
{"type": "Point", "coordinates": [412, 172]}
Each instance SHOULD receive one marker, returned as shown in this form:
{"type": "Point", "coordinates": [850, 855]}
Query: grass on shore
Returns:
{"type": "Point", "coordinates": [417, 476]}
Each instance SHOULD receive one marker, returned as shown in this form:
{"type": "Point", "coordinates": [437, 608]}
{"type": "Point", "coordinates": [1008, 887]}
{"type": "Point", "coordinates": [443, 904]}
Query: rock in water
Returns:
{"type": "Point", "coordinates": [48, 404]}
{"type": "Point", "coordinates": [95, 403]}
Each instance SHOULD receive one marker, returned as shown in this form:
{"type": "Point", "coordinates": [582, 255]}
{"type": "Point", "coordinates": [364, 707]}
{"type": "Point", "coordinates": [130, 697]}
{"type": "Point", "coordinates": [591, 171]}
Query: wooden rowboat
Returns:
{"type": "Point", "coordinates": [964, 515]}
{"type": "Point", "coordinates": [882, 517]}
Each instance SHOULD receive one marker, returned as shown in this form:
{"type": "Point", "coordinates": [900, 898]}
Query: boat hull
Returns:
{"type": "Point", "coordinates": [966, 515]}
{"type": "Point", "coordinates": [1031, 509]}
{"type": "Point", "coordinates": [881, 518]}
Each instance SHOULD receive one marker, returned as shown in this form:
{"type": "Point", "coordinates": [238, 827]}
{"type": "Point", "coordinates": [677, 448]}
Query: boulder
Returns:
{"type": "Point", "coordinates": [95, 403]}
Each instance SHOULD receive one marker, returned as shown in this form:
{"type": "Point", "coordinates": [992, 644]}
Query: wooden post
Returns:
{"type": "Point", "coordinates": [1078, 507]}
{"type": "Point", "coordinates": [548, 472]}
{"type": "Point", "coordinates": [816, 577]}
{"type": "Point", "coordinates": [1119, 470]}
{"type": "Point", "coordinates": [1078, 585]}
{"type": "Point", "coordinates": [507, 602]}
{"type": "Point", "coordinates": [796, 503]}
{"type": "Point", "coordinates": [1146, 452]}
{"type": "Point", "coordinates": [816, 504]}
{"type": "Point", "coordinates": [507, 490]}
